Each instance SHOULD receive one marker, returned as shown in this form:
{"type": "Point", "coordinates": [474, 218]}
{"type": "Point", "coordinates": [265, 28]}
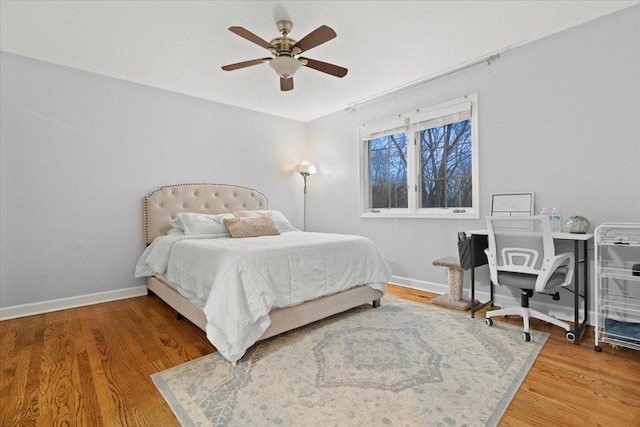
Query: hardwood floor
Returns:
{"type": "Point", "coordinates": [91, 366]}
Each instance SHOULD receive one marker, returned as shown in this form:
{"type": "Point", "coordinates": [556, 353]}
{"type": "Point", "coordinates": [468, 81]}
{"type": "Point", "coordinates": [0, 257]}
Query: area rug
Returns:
{"type": "Point", "coordinates": [401, 364]}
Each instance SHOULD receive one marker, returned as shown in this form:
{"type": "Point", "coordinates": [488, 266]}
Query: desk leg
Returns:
{"type": "Point", "coordinates": [578, 328]}
{"type": "Point", "coordinates": [475, 307]}
{"type": "Point", "coordinates": [586, 284]}
{"type": "Point", "coordinates": [576, 294]}
{"type": "Point", "coordinates": [473, 282]}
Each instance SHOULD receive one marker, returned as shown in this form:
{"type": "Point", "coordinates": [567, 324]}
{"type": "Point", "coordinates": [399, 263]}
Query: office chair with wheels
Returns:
{"type": "Point", "coordinates": [521, 255]}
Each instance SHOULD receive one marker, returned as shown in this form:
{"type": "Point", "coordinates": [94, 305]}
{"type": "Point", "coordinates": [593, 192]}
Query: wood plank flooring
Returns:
{"type": "Point", "coordinates": [91, 366]}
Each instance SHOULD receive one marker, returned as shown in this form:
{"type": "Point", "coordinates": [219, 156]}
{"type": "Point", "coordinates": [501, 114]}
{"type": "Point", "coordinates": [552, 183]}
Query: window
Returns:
{"type": "Point", "coordinates": [422, 164]}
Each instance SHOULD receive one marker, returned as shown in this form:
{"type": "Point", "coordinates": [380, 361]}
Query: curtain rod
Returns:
{"type": "Point", "coordinates": [488, 60]}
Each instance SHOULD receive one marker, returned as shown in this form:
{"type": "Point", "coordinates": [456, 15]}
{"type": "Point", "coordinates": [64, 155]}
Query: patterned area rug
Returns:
{"type": "Point", "coordinates": [403, 363]}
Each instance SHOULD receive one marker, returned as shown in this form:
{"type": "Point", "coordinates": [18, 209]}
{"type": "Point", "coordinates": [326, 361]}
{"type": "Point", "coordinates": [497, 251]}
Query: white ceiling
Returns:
{"type": "Point", "coordinates": [181, 45]}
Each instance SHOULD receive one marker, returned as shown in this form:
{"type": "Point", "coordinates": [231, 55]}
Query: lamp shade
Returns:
{"type": "Point", "coordinates": [285, 66]}
{"type": "Point", "coordinates": [306, 168]}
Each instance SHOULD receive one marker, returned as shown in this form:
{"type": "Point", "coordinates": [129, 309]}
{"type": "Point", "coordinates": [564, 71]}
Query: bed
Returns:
{"type": "Point", "coordinates": [234, 266]}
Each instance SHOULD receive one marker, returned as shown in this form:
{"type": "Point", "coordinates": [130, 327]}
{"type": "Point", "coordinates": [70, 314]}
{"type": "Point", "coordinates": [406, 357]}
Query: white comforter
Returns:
{"type": "Point", "coordinates": [237, 282]}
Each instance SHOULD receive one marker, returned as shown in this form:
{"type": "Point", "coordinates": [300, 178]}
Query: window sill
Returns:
{"type": "Point", "coordinates": [410, 215]}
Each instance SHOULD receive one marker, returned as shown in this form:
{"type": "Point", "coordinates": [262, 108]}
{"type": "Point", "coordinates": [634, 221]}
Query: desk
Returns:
{"type": "Point", "coordinates": [480, 236]}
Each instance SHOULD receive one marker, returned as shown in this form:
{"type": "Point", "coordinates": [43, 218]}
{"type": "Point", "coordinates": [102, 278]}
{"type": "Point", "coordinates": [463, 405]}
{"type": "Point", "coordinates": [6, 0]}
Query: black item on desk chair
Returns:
{"type": "Point", "coordinates": [635, 270]}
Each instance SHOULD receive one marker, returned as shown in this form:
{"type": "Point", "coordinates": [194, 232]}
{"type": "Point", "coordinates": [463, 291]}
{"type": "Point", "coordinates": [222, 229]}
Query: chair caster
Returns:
{"type": "Point", "coordinates": [570, 336]}
{"type": "Point", "coordinates": [488, 321]}
{"type": "Point", "coordinates": [598, 348]}
{"type": "Point", "coordinates": [527, 336]}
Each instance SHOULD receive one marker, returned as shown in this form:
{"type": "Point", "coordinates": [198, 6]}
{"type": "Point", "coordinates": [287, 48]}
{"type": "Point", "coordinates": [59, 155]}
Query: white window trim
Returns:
{"type": "Point", "coordinates": [410, 122]}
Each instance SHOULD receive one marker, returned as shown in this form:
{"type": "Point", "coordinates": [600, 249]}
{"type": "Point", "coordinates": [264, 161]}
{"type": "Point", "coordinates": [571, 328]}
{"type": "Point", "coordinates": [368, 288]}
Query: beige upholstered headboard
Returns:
{"type": "Point", "coordinates": [161, 205]}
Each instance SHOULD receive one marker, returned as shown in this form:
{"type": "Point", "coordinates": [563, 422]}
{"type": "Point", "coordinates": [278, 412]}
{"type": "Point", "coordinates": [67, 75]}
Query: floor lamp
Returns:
{"type": "Point", "coordinates": [305, 169]}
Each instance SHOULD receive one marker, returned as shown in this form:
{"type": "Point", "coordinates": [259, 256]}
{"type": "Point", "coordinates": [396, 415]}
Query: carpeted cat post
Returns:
{"type": "Point", "coordinates": [455, 276]}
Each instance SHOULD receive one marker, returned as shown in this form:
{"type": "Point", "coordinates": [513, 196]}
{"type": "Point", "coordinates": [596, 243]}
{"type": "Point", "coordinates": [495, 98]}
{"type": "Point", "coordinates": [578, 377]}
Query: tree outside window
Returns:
{"type": "Point", "coordinates": [446, 165]}
{"type": "Point", "coordinates": [388, 171]}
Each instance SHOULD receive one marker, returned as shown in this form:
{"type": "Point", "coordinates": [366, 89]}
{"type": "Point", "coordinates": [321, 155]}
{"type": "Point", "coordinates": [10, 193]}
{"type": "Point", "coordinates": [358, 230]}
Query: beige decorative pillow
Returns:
{"type": "Point", "coordinates": [281, 222]}
{"type": "Point", "coordinates": [261, 225]}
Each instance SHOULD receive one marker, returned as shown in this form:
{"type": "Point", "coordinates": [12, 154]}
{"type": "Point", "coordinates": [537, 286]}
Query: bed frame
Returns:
{"type": "Point", "coordinates": [161, 205]}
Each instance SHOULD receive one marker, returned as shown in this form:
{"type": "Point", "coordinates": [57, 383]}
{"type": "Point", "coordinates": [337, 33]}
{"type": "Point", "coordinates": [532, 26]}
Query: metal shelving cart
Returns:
{"type": "Point", "coordinates": [617, 274]}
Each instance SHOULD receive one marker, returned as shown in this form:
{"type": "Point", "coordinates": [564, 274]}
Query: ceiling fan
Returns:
{"type": "Point", "coordinates": [285, 50]}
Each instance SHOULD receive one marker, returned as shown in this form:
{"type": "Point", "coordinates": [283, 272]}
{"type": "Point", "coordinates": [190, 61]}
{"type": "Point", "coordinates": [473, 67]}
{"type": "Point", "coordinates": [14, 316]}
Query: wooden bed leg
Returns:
{"type": "Point", "coordinates": [376, 303]}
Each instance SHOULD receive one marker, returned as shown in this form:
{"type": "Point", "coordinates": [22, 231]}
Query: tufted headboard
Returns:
{"type": "Point", "coordinates": [161, 205]}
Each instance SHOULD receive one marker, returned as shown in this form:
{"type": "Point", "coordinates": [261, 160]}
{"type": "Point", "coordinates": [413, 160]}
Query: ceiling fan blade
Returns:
{"type": "Point", "coordinates": [239, 65]}
{"type": "Point", "coordinates": [286, 84]}
{"type": "Point", "coordinates": [244, 33]}
{"type": "Point", "coordinates": [325, 67]}
{"type": "Point", "coordinates": [318, 36]}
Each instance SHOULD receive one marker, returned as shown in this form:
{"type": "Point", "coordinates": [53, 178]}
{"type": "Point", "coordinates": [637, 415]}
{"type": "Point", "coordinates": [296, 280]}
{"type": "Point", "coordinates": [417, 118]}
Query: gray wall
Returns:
{"type": "Point", "coordinates": [559, 117]}
{"type": "Point", "coordinates": [78, 153]}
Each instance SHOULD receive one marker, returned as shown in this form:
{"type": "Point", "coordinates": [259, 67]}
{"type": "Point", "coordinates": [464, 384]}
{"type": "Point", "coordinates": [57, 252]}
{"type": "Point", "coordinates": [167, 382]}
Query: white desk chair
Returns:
{"type": "Point", "coordinates": [521, 255]}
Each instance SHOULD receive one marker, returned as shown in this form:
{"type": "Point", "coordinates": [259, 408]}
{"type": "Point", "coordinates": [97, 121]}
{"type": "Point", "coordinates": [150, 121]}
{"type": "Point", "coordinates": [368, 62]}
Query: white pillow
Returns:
{"type": "Point", "coordinates": [281, 222]}
{"type": "Point", "coordinates": [173, 231]}
{"type": "Point", "coordinates": [195, 223]}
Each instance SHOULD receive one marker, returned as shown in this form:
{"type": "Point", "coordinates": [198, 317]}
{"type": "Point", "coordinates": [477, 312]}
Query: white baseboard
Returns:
{"type": "Point", "coordinates": [421, 285]}
{"type": "Point", "coordinates": [23, 310]}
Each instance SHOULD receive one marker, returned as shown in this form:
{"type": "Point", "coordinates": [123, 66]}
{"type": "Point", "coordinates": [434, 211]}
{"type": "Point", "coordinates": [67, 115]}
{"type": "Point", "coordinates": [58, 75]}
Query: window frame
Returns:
{"type": "Point", "coordinates": [410, 122]}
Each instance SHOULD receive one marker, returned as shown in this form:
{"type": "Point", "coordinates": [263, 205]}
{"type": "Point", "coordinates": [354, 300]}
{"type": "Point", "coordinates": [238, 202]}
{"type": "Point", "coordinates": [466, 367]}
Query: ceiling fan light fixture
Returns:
{"type": "Point", "coordinates": [285, 66]}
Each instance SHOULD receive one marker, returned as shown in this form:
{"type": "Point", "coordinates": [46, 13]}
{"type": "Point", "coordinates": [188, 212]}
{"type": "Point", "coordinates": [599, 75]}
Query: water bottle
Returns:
{"type": "Point", "coordinates": [545, 212]}
{"type": "Point", "coordinates": [556, 221]}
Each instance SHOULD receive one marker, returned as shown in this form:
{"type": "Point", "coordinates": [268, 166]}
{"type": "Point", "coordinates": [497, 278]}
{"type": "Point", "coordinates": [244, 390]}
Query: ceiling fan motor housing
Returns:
{"type": "Point", "coordinates": [282, 45]}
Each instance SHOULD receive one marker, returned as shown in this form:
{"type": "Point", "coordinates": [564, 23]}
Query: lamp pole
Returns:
{"type": "Point", "coordinates": [305, 169]}
{"type": "Point", "coordinates": [304, 176]}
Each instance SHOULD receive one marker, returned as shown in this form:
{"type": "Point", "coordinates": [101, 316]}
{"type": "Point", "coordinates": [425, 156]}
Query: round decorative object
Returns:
{"type": "Point", "coordinates": [577, 224]}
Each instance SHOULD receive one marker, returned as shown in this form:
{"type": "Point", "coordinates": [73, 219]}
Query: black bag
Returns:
{"type": "Point", "coordinates": [465, 248]}
{"type": "Point", "coordinates": [464, 252]}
